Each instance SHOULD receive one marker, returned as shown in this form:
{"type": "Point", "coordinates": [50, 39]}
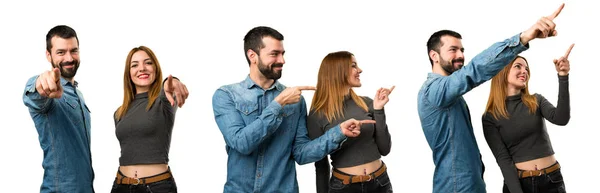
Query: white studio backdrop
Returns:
{"type": "Point", "coordinates": [202, 44]}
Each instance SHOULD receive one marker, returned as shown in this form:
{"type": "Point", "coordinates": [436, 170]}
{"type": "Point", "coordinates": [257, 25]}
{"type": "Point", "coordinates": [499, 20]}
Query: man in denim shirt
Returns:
{"type": "Point", "coordinates": [264, 123]}
{"type": "Point", "coordinates": [444, 114]}
{"type": "Point", "coordinates": [61, 117]}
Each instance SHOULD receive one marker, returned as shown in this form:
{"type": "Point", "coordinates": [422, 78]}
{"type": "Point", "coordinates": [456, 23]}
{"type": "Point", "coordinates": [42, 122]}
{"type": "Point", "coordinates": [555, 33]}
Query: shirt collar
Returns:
{"type": "Point", "coordinates": [64, 82]}
{"type": "Point", "coordinates": [249, 83]}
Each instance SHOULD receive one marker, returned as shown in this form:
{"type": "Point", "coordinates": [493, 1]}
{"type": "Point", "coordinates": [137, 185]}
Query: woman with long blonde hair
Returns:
{"type": "Point", "coordinates": [144, 123]}
{"type": "Point", "coordinates": [357, 166]}
{"type": "Point", "coordinates": [515, 130]}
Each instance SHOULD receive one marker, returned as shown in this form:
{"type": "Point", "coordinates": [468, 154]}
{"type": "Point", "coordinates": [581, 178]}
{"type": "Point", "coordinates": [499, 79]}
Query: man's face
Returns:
{"type": "Point", "coordinates": [451, 56]}
{"type": "Point", "coordinates": [64, 55]}
{"type": "Point", "coordinates": [270, 60]}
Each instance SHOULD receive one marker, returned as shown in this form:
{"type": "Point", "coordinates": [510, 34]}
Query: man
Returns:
{"type": "Point", "coordinates": [263, 122]}
{"type": "Point", "coordinates": [444, 114]}
{"type": "Point", "coordinates": [61, 117]}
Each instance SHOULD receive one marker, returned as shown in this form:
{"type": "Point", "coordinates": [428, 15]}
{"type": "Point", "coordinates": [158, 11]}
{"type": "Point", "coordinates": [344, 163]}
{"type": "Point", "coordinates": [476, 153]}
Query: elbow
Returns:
{"type": "Point", "coordinates": [242, 149]}
{"type": "Point", "coordinates": [384, 152]}
{"type": "Point", "coordinates": [563, 122]}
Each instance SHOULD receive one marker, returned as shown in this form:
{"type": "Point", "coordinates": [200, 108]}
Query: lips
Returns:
{"type": "Point", "coordinates": [143, 76]}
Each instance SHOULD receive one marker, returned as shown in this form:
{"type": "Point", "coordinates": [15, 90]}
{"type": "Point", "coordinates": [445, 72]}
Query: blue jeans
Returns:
{"type": "Point", "coordinates": [164, 186]}
{"type": "Point", "coordinates": [547, 183]}
{"type": "Point", "coordinates": [381, 184]}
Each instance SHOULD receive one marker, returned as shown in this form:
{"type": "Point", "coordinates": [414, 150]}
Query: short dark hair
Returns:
{"type": "Point", "coordinates": [435, 41]}
{"type": "Point", "coordinates": [61, 31]}
{"type": "Point", "coordinates": [253, 39]}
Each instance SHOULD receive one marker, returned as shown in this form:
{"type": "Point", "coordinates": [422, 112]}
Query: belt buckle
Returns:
{"type": "Point", "coordinates": [138, 181]}
{"type": "Point", "coordinates": [370, 178]}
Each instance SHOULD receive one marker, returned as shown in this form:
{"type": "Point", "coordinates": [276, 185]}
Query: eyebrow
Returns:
{"type": "Point", "coordinates": [135, 61]}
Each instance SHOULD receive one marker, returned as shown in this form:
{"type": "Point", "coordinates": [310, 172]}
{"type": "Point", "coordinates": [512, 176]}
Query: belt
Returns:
{"type": "Point", "coordinates": [348, 179]}
{"type": "Point", "coordinates": [530, 173]}
{"type": "Point", "coordinates": [147, 180]}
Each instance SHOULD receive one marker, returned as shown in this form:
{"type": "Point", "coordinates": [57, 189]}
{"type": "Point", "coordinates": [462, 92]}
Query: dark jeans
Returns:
{"type": "Point", "coordinates": [380, 184]}
{"type": "Point", "coordinates": [547, 183]}
{"type": "Point", "coordinates": [164, 186]}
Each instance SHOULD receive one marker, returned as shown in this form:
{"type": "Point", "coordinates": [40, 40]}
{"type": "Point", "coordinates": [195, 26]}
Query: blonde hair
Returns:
{"type": "Point", "coordinates": [332, 85]}
{"type": "Point", "coordinates": [129, 88]}
{"type": "Point", "coordinates": [496, 104]}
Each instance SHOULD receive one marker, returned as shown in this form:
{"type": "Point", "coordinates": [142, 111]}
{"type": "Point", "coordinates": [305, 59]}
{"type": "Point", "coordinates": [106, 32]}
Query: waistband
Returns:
{"type": "Point", "coordinates": [122, 179]}
{"type": "Point", "coordinates": [530, 173]}
{"type": "Point", "coordinates": [349, 179]}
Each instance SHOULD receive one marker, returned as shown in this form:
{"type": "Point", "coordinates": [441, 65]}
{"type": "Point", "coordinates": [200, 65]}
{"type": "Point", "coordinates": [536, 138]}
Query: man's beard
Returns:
{"type": "Point", "coordinates": [448, 66]}
{"type": "Point", "coordinates": [67, 72]}
{"type": "Point", "coordinates": [269, 72]}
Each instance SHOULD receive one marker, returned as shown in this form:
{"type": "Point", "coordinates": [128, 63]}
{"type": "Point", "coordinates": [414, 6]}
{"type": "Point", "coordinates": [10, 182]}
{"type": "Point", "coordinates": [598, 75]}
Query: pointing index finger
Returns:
{"type": "Point", "coordinates": [569, 51]}
{"type": "Point", "coordinates": [306, 88]}
{"type": "Point", "coordinates": [555, 14]}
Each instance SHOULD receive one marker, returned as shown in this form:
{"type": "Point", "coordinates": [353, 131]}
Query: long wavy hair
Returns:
{"type": "Point", "coordinates": [129, 88]}
{"type": "Point", "coordinates": [332, 85]}
{"type": "Point", "coordinates": [496, 104]}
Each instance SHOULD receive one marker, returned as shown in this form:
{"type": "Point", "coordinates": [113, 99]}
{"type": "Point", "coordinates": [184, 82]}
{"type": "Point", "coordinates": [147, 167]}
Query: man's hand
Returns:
{"type": "Point", "coordinates": [382, 97]}
{"type": "Point", "coordinates": [351, 127]}
{"type": "Point", "coordinates": [562, 64]}
{"type": "Point", "coordinates": [175, 87]}
{"type": "Point", "coordinates": [48, 84]}
{"type": "Point", "coordinates": [543, 28]}
{"type": "Point", "coordinates": [291, 95]}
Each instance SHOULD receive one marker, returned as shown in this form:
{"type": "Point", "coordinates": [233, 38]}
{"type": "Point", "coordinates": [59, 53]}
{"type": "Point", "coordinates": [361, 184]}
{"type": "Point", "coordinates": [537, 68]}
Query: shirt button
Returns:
{"type": "Point", "coordinates": [258, 175]}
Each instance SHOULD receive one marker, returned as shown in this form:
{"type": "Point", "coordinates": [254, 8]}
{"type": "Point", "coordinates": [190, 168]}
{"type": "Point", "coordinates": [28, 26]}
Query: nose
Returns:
{"type": "Point", "coordinates": [460, 54]}
{"type": "Point", "coordinates": [359, 70]}
{"type": "Point", "coordinates": [68, 57]}
{"type": "Point", "coordinates": [142, 68]}
{"type": "Point", "coordinates": [280, 59]}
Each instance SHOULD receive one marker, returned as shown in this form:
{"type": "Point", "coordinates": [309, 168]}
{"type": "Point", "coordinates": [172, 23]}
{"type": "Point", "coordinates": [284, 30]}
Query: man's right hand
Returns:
{"type": "Point", "coordinates": [351, 127]}
{"type": "Point", "coordinates": [291, 95]}
{"type": "Point", "coordinates": [543, 28]}
{"type": "Point", "coordinates": [48, 84]}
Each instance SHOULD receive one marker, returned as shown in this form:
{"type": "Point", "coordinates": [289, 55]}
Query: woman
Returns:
{"type": "Point", "coordinates": [515, 130]}
{"type": "Point", "coordinates": [356, 164]}
{"type": "Point", "coordinates": [144, 123]}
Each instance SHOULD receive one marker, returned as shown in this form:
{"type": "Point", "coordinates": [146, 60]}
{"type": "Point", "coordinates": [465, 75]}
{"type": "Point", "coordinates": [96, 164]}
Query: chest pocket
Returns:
{"type": "Point", "coordinates": [289, 120]}
{"type": "Point", "coordinates": [249, 111]}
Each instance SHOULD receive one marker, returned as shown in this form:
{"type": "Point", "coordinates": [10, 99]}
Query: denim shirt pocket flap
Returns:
{"type": "Point", "coordinates": [288, 110]}
{"type": "Point", "coordinates": [246, 108]}
{"type": "Point", "coordinates": [70, 102]}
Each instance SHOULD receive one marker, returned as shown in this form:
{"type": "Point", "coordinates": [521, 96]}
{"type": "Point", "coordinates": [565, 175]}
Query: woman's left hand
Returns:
{"type": "Point", "coordinates": [562, 64]}
{"type": "Point", "coordinates": [382, 97]}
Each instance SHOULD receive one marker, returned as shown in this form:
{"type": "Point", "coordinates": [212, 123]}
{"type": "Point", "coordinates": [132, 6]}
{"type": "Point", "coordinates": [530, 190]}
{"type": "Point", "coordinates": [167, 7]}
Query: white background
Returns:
{"type": "Point", "coordinates": [202, 44]}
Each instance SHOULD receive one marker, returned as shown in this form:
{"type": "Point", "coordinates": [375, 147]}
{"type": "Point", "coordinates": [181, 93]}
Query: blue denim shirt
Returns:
{"type": "Point", "coordinates": [263, 139]}
{"type": "Point", "coordinates": [63, 126]}
{"type": "Point", "coordinates": [446, 120]}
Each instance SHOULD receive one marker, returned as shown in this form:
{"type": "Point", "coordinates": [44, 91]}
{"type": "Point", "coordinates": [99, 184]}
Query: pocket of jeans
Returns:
{"type": "Point", "coordinates": [167, 185]}
{"type": "Point", "coordinates": [336, 184]}
{"type": "Point", "coordinates": [555, 177]}
{"type": "Point", "coordinates": [383, 180]}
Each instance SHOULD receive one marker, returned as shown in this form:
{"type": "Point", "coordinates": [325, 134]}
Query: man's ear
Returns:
{"type": "Point", "coordinates": [251, 56]}
{"type": "Point", "coordinates": [433, 55]}
{"type": "Point", "coordinates": [49, 57]}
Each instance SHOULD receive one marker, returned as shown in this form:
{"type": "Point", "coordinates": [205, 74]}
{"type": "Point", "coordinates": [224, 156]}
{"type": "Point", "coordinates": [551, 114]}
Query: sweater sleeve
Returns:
{"type": "Point", "coordinates": [315, 130]}
{"type": "Point", "coordinates": [560, 114]}
{"type": "Point", "coordinates": [382, 136]}
{"type": "Point", "coordinates": [501, 153]}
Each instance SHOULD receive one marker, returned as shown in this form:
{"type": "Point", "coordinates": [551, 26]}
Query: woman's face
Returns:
{"type": "Point", "coordinates": [518, 74]}
{"type": "Point", "coordinates": [142, 71]}
{"type": "Point", "coordinates": [354, 78]}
